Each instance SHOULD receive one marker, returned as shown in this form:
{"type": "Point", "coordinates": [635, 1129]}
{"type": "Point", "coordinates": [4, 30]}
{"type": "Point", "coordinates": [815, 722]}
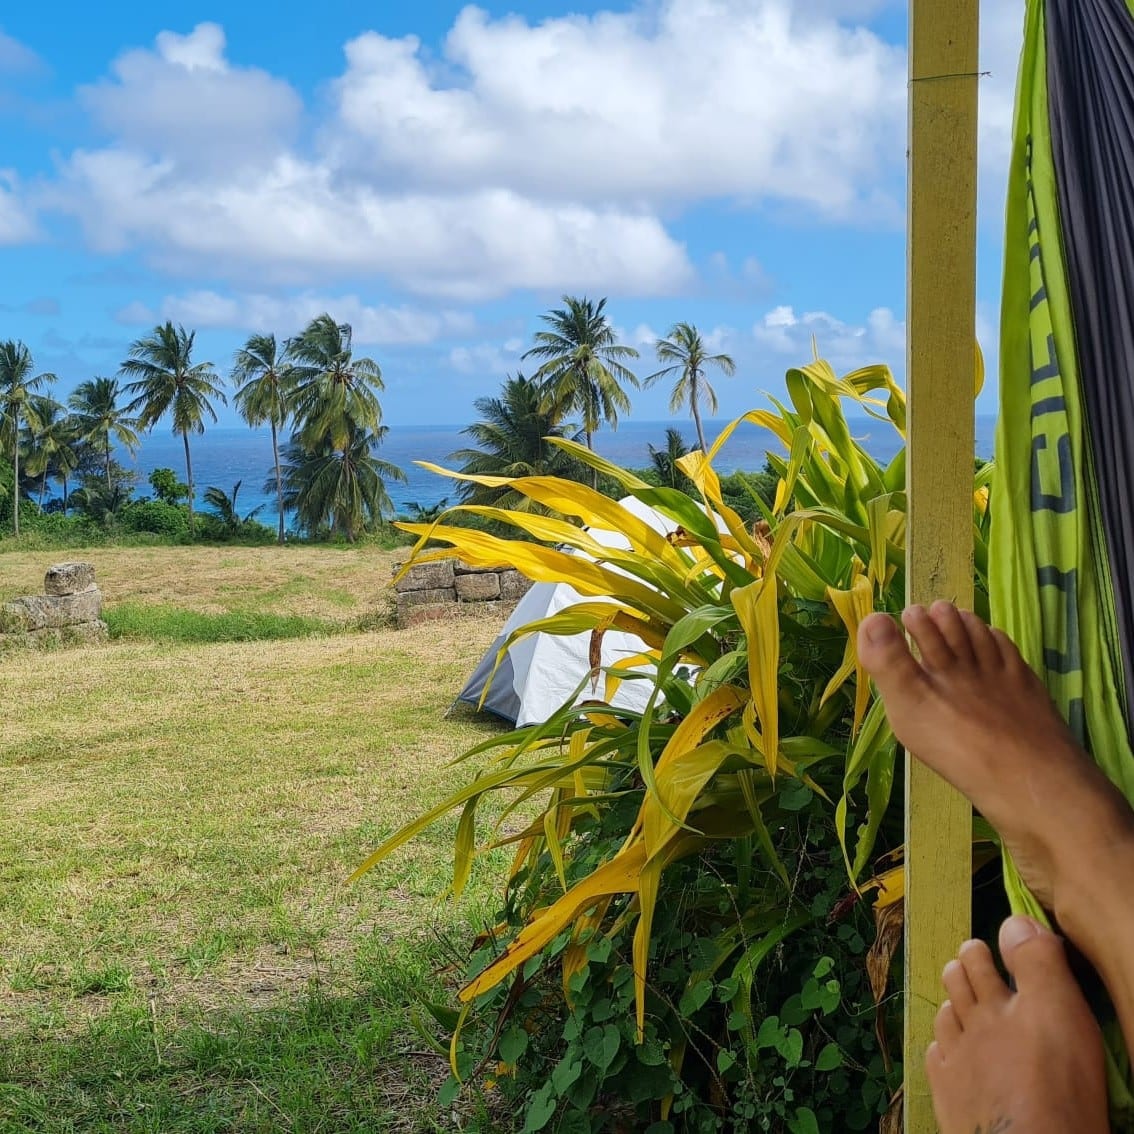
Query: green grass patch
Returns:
{"type": "Point", "coordinates": [181, 952]}
{"type": "Point", "coordinates": [146, 623]}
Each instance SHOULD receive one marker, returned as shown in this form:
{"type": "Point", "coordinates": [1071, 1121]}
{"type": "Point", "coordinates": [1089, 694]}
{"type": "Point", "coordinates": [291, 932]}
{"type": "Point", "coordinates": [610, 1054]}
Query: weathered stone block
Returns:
{"type": "Point", "coordinates": [481, 587]}
{"type": "Point", "coordinates": [414, 615]}
{"type": "Point", "coordinates": [460, 567]}
{"type": "Point", "coordinates": [13, 619]}
{"type": "Point", "coordinates": [42, 612]}
{"type": "Point", "coordinates": [426, 577]}
{"type": "Point", "coordinates": [513, 585]}
{"type": "Point", "coordinates": [69, 578]}
{"type": "Point", "coordinates": [426, 598]}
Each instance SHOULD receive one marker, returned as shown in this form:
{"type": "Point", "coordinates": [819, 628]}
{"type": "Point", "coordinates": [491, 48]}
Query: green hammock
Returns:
{"type": "Point", "coordinates": [1062, 542]}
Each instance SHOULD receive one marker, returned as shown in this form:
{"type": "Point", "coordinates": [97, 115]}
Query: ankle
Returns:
{"type": "Point", "coordinates": [1091, 886]}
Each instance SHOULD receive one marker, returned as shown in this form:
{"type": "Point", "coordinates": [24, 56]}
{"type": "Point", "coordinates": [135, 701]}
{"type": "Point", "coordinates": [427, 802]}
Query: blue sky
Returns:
{"type": "Point", "coordinates": [439, 174]}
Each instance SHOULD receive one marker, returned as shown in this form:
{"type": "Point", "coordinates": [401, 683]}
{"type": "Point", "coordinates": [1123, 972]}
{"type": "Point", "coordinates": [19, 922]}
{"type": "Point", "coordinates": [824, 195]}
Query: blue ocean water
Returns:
{"type": "Point", "coordinates": [221, 457]}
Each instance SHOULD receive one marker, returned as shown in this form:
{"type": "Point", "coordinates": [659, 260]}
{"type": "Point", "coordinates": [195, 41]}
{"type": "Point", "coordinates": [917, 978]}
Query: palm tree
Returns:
{"type": "Point", "coordinates": [664, 461]}
{"type": "Point", "coordinates": [53, 451]}
{"type": "Point", "coordinates": [343, 486]}
{"type": "Point", "coordinates": [685, 351]}
{"type": "Point", "coordinates": [166, 381]}
{"type": "Point", "coordinates": [583, 369]}
{"type": "Point", "coordinates": [225, 507]}
{"type": "Point", "coordinates": [512, 441]}
{"type": "Point", "coordinates": [101, 420]}
{"type": "Point", "coordinates": [18, 386]}
{"type": "Point", "coordinates": [334, 394]}
{"type": "Point", "coordinates": [264, 378]}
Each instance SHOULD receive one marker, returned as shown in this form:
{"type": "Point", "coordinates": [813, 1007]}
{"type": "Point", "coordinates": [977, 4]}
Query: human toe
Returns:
{"type": "Point", "coordinates": [947, 618]}
{"type": "Point", "coordinates": [1032, 954]}
{"type": "Point", "coordinates": [980, 969]}
{"type": "Point", "coordinates": [958, 989]}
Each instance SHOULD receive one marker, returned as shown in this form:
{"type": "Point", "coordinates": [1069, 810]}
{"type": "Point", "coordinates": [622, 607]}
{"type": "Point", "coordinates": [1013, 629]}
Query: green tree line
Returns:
{"type": "Point", "coordinates": [321, 403]}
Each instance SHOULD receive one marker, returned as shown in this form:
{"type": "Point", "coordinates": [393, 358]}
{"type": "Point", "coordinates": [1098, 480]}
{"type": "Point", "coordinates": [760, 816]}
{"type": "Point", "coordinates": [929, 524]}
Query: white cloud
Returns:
{"type": "Point", "coordinates": [1001, 38]}
{"type": "Point", "coordinates": [488, 358]}
{"type": "Point", "coordinates": [17, 224]}
{"type": "Point", "coordinates": [299, 222]}
{"type": "Point", "coordinates": [882, 338]}
{"type": "Point", "coordinates": [662, 103]}
{"type": "Point", "coordinates": [379, 324]}
{"type": "Point", "coordinates": [16, 58]}
{"type": "Point", "coordinates": [185, 102]}
{"type": "Point", "coordinates": [536, 156]}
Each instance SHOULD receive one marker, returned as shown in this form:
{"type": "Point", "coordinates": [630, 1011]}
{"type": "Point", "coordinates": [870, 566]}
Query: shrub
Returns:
{"type": "Point", "coordinates": [156, 516]}
{"type": "Point", "coordinates": [681, 945]}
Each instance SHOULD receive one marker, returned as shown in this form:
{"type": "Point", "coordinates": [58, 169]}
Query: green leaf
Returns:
{"type": "Point", "coordinates": [513, 1044]}
{"type": "Point", "coordinates": [601, 1045]}
{"type": "Point", "coordinates": [792, 1049]}
{"type": "Point", "coordinates": [685, 631]}
{"type": "Point", "coordinates": [566, 1071]}
{"type": "Point", "coordinates": [770, 1033]}
{"type": "Point", "coordinates": [694, 998]}
{"type": "Point", "coordinates": [450, 1089]}
{"type": "Point", "coordinates": [540, 1109]}
{"type": "Point", "coordinates": [725, 1060]}
{"type": "Point", "coordinates": [574, 1122]}
{"type": "Point", "coordinates": [804, 1122]}
{"type": "Point", "coordinates": [829, 1058]}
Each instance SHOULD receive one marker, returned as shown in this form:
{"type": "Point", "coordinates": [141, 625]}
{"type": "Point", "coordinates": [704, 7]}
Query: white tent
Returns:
{"type": "Point", "coordinates": [541, 672]}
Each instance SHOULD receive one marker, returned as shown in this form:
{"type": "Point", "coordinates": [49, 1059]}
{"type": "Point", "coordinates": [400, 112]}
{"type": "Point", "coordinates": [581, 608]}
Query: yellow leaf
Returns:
{"type": "Point", "coordinates": [757, 607]}
{"type": "Point", "coordinates": [852, 607]}
{"type": "Point", "coordinates": [700, 471]}
{"type": "Point", "coordinates": [618, 876]}
{"type": "Point", "coordinates": [544, 565]}
{"type": "Point", "coordinates": [680, 776]}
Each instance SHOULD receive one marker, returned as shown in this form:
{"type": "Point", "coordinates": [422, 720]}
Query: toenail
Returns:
{"type": "Point", "coordinates": [1016, 930]}
{"type": "Point", "coordinates": [879, 629]}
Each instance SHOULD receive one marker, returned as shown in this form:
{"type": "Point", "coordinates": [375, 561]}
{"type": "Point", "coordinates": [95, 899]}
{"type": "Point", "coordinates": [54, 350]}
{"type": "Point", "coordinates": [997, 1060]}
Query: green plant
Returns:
{"type": "Point", "coordinates": [742, 804]}
{"type": "Point", "coordinates": [167, 488]}
{"type": "Point", "coordinates": [157, 516]}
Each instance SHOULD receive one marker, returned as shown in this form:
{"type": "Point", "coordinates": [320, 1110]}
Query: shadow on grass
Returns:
{"type": "Point", "coordinates": [320, 1062]}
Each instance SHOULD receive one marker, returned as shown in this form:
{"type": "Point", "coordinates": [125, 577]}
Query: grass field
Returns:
{"type": "Point", "coordinates": [178, 950]}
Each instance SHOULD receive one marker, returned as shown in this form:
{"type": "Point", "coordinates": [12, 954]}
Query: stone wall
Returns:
{"type": "Point", "coordinates": [449, 587]}
{"type": "Point", "coordinates": [69, 611]}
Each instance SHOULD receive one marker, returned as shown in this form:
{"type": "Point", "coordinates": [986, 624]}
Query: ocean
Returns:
{"type": "Point", "coordinates": [223, 456]}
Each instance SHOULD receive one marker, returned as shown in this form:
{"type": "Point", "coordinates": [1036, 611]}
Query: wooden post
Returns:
{"type": "Point", "coordinates": [941, 370]}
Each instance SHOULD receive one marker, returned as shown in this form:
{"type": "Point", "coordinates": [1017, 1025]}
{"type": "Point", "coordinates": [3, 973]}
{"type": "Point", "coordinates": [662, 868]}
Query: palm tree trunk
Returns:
{"type": "Point", "coordinates": [108, 460]}
{"type": "Point", "coordinates": [188, 478]}
{"type": "Point", "coordinates": [279, 481]}
{"type": "Point", "coordinates": [42, 489]}
{"type": "Point", "coordinates": [697, 418]}
{"type": "Point", "coordinates": [64, 494]}
{"type": "Point", "coordinates": [590, 445]}
{"type": "Point", "coordinates": [16, 476]}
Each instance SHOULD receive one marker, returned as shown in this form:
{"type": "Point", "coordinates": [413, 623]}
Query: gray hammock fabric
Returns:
{"type": "Point", "coordinates": [1090, 67]}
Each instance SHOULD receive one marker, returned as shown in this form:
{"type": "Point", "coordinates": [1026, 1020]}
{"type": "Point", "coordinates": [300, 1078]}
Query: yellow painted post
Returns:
{"type": "Point", "coordinates": [941, 322]}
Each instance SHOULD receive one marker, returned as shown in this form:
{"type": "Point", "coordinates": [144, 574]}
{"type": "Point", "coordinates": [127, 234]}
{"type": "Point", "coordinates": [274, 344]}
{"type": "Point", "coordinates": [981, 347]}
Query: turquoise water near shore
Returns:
{"type": "Point", "coordinates": [221, 457]}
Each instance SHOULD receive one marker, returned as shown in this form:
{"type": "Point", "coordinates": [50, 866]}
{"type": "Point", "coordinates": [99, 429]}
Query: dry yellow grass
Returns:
{"type": "Point", "coordinates": [336, 584]}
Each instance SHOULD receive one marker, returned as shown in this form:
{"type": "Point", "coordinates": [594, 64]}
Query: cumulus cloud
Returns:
{"type": "Point", "coordinates": [16, 58]}
{"type": "Point", "coordinates": [185, 101]}
{"type": "Point", "coordinates": [882, 338]}
{"type": "Point", "coordinates": [17, 224]}
{"type": "Point", "coordinates": [299, 221]}
{"type": "Point", "coordinates": [661, 103]}
{"type": "Point", "coordinates": [531, 155]}
{"type": "Point", "coordinates": [380, 324]}
{"type": "Point", "coordinates": [488, 358]}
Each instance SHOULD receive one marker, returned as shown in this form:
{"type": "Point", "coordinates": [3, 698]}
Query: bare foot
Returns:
{"type": "Point", "coordinates": [974, 712]}
{"type": "Point", "coordinates": [1022, 1062]}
